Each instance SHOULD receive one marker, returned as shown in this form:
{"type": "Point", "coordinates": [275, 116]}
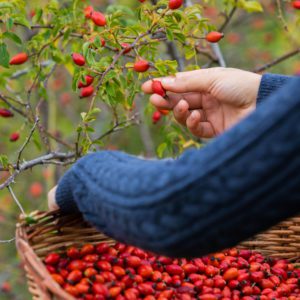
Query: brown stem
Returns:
{"type": "Point", "coordinates": [276, 61]}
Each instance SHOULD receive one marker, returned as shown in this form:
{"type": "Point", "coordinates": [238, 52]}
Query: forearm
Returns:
{"type": "Point", "coordinates": [206, 200]}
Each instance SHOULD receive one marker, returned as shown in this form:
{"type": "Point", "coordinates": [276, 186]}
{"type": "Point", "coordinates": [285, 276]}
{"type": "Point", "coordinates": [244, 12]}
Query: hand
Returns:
{"type": "Point", "coordinates": [208, 101]}
{"type": "Point", "coordinates": [51, 199]}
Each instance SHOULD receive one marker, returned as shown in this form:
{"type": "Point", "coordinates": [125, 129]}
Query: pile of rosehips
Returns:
{"type": "Point", "coordinates": [122, 272]}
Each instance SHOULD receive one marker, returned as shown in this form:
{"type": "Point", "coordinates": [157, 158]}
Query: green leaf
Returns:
{"type": "Point", "coordinates": [170, 35]}
{"type": "Point", "coordinates": [9, 23]}
{"type": "Point", "coordinates": [161, 149]}
{"type": "Point", "coordinates": [30, 220]}
{"type": "Point", "coordinates": [6, 5]}
{"type": "Point", "coordinates": [251, 6]}
{"type": "Point", "coordinates": [23, 21]}
{"type": "Point", "coordinates": [12, 36]}
{"type": "Point", "coordinates": [4, 161]}
{"type": "Point", "coordinates": [4, 56]}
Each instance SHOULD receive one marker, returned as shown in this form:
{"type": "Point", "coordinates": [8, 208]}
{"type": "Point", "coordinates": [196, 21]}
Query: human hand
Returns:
{"type": "Point", "coordinates": [51, 199]}
{"type": "Point", "coordinates": [208, 101]}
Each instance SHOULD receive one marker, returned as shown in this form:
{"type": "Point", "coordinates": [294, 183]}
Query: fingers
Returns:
{"type": "Point", "coordinates": [186, 82]}
{"type": "Point", "coordinates": [181, 112]}
{"type": "Point", "coordinates": [51, 199]}
{"type": "Point", "coordinates": [194, 100]}
{"type": "Point", "coordinates": [199, 126]}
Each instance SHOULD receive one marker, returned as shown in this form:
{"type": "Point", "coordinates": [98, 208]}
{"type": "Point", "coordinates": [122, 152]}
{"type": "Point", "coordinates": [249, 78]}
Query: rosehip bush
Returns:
{"type": "Point", "coordinates": [71, 72]}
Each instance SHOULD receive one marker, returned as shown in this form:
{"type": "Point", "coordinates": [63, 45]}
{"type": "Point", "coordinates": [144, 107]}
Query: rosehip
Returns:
{"type": "Point", "coordinates": [156, 116]}
{"type": "Point", "coordinates": [141, 65]}
{"type": "Point", "coordinates": [157, 88]}
{"type": "Point", "coordinates": [118, 271]}
{"type": "Point", "coordinates": [98, 18]}
{"type": "Point", "coordinates": [6, 113]}
{"type": "Point", "coordinates": [145, 271]}
{"type": "Point", "coordinates": [214, 36]}
{"type": "Point", "coordinates": [104, 265]}
{"type": "Point", "coordinates": [174, 4]}
{"type": "Point", "coordinates": [230, 274]}
{"type": "Point", "coordinates": [76, 265]}
{"type": "Point", "coordinates": [14, 136]}
{"type": "Point", "coordinates": [101, 289]}
{"type": "Point", "coordinates": [19, 59]}
{"type": "Point", "coordinates": [88, 81]}
{"type": "Point", "coordinates": [58, 278]}
{"type": "Point", "coordinates": [86, 91]}
{"type": "Point", "coordinates": [52, 259]}
{"type": "Point", "coordinates": [73, 253]}
{"type": "Point", "coordinates": [126, 47]}
{"type": "Point", "coordinates": [296, 4]}
{"type": "Point", "coordinates": [74, 276]}
{"type": "Point", "coordinates": [88, 12]}
{"type": "Point", "coordinates": [78, 59]}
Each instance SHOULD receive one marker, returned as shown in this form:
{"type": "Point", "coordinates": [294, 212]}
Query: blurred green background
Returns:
{"type": "Point", "coordinates": [251, 40]}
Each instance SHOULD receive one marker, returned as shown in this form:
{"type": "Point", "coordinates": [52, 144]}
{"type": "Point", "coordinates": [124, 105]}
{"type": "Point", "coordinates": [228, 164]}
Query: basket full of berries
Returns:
{"type": "Point", "coordinates": [65, 258]}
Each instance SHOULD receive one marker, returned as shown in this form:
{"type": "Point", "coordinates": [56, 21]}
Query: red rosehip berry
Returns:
{"type": "Point", "coordinates": [296, 4]}
{"type": "Point", "coordinates": [126, 47]}
{"type": "Point", "coordinates": [86, 91]}
{"type": "Point", "coordinates": [78, 59]}
{"type": "Point", "coordinates": [174, 4]}
{"type": "Point", "coordinates": [14, 136]}
{"type": "Point", "coordinates": [52, 259]}
{"type": "Point", "coordinates": [141, 65]}
{"type": "Point", "coordinates": [6, 113]}
{"type": "Point", "coordinates": [157, 88]}
{"type": "Point", "coordinates": [88, 12]}
{"type": "Point", "coordinates": [98, 18]}
{"type": "Point", "coordinates": [88, 81]}
{"type": "Point", "coordinates": [214, 36]}
{"type": "Point", "coordinates": [19, 59]}
{"type": "Point", "coordinates": [156, 116]}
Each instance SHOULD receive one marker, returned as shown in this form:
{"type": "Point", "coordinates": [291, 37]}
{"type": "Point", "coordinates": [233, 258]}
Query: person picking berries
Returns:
{"type": "Point", "coordinates": [242, 182]}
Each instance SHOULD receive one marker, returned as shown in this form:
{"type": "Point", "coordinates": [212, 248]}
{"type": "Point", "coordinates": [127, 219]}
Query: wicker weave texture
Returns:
{"type": "Point", "coordinates": [55, 232]}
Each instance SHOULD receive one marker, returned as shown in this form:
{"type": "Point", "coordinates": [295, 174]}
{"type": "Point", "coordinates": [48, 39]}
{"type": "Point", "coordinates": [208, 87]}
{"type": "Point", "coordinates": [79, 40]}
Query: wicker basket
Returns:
{"type": "Point", "coordinates": [52, 231]}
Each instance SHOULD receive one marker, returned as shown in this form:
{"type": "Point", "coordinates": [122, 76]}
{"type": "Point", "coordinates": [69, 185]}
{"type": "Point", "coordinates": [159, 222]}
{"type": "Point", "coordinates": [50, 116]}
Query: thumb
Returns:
{"type": "Point", "coordinates": [193, 81]}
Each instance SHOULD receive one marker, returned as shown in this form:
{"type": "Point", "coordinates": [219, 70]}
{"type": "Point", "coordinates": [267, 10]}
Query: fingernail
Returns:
{"type": "Point", "coordinates": [194, 115]}
{"type": "Point", "coordinates": [168, 80]}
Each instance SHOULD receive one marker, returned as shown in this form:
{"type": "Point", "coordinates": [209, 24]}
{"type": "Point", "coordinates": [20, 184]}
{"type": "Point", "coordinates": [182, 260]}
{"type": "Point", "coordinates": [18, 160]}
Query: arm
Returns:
{"type": "Point", "coordinates": [241, 183]}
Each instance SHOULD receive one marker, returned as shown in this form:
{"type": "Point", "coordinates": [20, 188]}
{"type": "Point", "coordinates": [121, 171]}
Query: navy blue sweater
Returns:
{"type": "Point", "coordinates": [241, 183]}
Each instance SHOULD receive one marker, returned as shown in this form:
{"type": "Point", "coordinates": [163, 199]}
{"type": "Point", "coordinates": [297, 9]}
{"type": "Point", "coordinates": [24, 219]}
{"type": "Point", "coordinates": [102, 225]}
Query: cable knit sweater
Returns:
{"type": "Point", "coordinates": [241, 183]}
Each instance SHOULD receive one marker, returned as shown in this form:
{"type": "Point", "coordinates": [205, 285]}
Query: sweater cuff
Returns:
{"type": "Point", "coordinates": [64, 196]}
{"type": "Point", "coordinates": [269, 84]}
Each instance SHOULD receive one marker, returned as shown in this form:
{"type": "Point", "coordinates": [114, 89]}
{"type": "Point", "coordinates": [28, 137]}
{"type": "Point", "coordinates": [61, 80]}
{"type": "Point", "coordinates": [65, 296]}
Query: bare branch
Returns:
{"type": "Point", "coordinates": [16, 200]}
{"type": "Point", "coordinates": [228, 18]}
{"type": "Point", "coordinates": [4, 99]}
{"type": "Point", "coordinates": [7, 241]}
{"type": "Point", "coordinates": [277, 61]}
{"type": "Point", "coordinates": [26, 142]}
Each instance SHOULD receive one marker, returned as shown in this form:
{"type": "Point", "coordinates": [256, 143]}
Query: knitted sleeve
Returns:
{"type": "Point", "coordinates": [269, 84]}
{"type": "Point", "coordinates": [241, 183]}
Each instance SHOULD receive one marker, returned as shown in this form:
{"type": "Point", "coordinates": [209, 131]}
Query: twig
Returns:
{"type": "Point", "coordinates": [280, 16]}
{"type": "Point", "coordinates": [118, 126]}
{"type": "Point", "coordinates": [26, 142]}
{"type": "Point", "coordinates": [45, 159]}
{"type": "Point", "coordinates": [4, 99]}
{"type": "Point", "coordinates": [276, 61]}
{"type": "Point", "coordinates": [228, 18]}
{"type": "Point", "coordinates": [16, 200]}
{"type": "Point", "coordinates": [215, 47]}
{"type": "Point", "coordinates": [7, 241]}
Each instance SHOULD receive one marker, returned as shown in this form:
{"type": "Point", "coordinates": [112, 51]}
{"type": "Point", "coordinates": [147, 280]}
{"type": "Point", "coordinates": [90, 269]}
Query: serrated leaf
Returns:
{"type": "Point", "coordinates": [4, 56]}
{"type": "Point", "coordinates": [12, 36]}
